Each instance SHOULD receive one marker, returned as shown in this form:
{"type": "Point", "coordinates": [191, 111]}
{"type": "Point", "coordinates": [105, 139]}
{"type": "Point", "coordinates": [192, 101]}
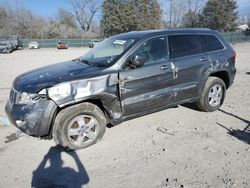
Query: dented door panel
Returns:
{"type": "Point", "coordinates": [145, 88]}
{"type": "Point", "coordinates": [190, 71]}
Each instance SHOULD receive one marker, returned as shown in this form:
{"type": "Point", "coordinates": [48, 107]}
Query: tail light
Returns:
{"type": "Point", "coordinates": [234, 55]}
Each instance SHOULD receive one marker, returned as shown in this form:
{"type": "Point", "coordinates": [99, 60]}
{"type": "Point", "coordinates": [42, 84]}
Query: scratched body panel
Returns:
{"type": "Point", "coordinates": [103, 88]}
{"type": "Point", "coordinates": [122, 91]}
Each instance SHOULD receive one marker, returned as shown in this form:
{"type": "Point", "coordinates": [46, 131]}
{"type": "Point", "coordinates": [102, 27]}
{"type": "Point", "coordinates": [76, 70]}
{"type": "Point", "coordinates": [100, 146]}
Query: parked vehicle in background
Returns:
{"type": "Point", "coordinates": [6, 47]}
{"type": "Point", "coordinates": [124, 77]}
{"type": "Point", "coordinates": [16, 41]}
{"type": "Point", "coordinates": [94, 42]}
{"type": "Point", "coordinates": [62, 45]}
{"type": "Point", "coordinates": [33, 45]}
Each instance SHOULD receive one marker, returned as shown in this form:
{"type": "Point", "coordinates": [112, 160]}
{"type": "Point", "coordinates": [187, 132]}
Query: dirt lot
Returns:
{"type": "Point", "coordinates": [178, 147]}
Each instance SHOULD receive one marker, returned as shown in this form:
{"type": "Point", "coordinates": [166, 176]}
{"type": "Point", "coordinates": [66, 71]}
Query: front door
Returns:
{"type": "Point", "coordinates": [148, 87]}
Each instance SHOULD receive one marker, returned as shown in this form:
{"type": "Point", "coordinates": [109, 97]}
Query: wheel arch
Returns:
{"type": "Point", "coordinates": [223, 75]}
{"type": "Point", "coordinates": [105, 106]}
{"type": "Point", "coordinates": [98, 102]}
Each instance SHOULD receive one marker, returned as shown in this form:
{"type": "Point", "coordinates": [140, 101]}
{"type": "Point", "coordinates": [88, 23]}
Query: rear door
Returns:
{"type": "Point", "coordinates": [148, 87]}
{"type": "Point", "coordinates": [190, 64]}
{"type": "Point", "coordinates": [212, 46]}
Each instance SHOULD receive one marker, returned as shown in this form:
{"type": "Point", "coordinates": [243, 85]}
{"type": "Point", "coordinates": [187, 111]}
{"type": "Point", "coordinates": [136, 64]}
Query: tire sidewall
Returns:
{"type": "Point", "coordinates": [214, 82]}
{"type": "Point", "coordinates": [60, 131]}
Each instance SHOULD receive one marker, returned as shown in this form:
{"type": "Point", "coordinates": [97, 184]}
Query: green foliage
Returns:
{"type": "Point", "coordinates": [148, 14]}
{"type": "Point", "coordinates": [219, 15]}
{"type": "Point", "coordinates": [190, 19]}
{"type": "Point", "coordinates": [128, 15]}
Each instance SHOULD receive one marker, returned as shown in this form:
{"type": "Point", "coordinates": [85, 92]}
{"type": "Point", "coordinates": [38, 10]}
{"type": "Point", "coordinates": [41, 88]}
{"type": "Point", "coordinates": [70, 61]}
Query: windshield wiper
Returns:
{"type": "Point", "coordinates": [86, 62]}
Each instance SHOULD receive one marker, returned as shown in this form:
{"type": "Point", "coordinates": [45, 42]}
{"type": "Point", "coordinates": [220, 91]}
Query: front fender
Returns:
{"type": "Point", "coordinates": [102, 88]}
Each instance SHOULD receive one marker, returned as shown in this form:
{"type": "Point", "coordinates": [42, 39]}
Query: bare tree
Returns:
{"type": "Point", "coordinates": [3, 17]}
{"type": "Point", "coordinates": [66, 18]}
{"type": "Point", "coordinates": [176, 11]}
{"type": "Point", "coordinates": [196, 5]}
{"type": "Point", "coordinates": [24, 19]}
{"type": "Point", "coordinates": [7, 21]}
{"type": "Point", "coordinates": [85, 12]}
{"type": "Point", "coordinates": [191, 16]}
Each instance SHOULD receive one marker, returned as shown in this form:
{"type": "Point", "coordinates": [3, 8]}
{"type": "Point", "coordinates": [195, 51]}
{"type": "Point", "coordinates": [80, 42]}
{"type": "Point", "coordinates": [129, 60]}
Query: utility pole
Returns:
{"type": "Point", "coordinates": [42, 39]}
{"type": "Point", "coordinates": [170, 12]}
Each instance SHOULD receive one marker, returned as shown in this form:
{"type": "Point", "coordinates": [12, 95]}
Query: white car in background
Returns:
{"type": "Point", "coordinates": [33, 45]}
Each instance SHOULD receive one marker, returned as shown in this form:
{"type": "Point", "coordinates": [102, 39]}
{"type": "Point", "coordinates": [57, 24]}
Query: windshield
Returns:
{"type": "Point", "coordinates": [107, 51]}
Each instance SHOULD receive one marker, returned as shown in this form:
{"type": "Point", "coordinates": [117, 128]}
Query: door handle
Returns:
{"type": "Point", "coordinates": [203, 59]}
{"type": "Point", "coordinates": [123, 90]}
{"type": "Point", "coordinates": [163, 67]}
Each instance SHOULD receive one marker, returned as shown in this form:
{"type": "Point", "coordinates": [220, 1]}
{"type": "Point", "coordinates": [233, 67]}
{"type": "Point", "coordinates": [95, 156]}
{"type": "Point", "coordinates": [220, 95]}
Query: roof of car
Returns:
{"type": "Point", "coordinates": [141, 34]}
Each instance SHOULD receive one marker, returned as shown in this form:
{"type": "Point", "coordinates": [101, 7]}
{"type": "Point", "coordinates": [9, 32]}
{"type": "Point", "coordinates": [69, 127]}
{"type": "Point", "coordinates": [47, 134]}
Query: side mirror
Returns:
{"type": "Point", "coordinates": [136, 61]}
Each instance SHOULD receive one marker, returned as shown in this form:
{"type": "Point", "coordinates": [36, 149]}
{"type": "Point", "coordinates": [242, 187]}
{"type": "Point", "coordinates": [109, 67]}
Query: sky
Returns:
{"type": "Point", "coordinates": [48, 8]}
{"type": "Point", "coordinates": [45, 8]}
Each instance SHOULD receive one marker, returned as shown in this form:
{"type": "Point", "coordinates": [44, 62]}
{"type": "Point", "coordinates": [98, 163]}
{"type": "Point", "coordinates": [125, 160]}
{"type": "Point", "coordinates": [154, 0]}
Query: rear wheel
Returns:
{"type": "Point", "coordinates": [79, 126]}
{"type": "Point", "coordinates": [212, 95]}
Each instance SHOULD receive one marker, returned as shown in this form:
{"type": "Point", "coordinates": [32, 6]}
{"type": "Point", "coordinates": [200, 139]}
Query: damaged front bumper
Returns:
{"type": "Point", "coordinates": [33, 119]}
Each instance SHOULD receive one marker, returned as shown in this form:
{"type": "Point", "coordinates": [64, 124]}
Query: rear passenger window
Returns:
{"type": "Point", "coordinates": [210, 43]}
{"type": "Point", "coordinates": [183, 45]}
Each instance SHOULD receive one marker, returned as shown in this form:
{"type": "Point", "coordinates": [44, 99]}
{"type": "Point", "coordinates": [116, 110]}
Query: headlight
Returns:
{"type": "Point", "coordinates": [60, 91]}
{"type": "Point", "coordinates": [26, 98]}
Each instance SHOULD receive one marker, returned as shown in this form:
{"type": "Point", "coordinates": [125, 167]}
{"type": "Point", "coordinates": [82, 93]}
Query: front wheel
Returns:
{"type": "Point", "coordinates": [79, 126]}
{"type": "Point", "coordinates": [212, 95]}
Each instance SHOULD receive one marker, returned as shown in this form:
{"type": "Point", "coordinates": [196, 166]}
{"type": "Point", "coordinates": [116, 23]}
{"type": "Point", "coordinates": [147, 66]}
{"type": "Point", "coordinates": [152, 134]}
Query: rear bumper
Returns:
{"type": "Point", "coordinates": [232, 76]}
{"type": "Point", "coordinates": [33, 47]}
{"type": "Point", "coordinates": [35, 119]}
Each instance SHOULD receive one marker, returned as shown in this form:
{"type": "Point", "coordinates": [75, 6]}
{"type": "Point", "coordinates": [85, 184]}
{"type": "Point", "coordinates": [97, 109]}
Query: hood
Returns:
{"type": "Point", "coordinates": [48, 76]}
{"type": "Point", "coordinates": [3, 47]}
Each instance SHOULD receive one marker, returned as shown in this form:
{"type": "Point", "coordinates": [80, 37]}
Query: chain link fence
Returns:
{"type": "Point", "coordinates": [52, 43]}
{"type": "Point", "coordinates": [232, 37]}
{"type": "Point", "coordinates": [235, 37]}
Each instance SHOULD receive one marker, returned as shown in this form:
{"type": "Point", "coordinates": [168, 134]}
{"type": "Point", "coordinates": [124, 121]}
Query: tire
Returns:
{"type": "Point", "coordinates": [8, 51]}
{"type": "Point", "coordinates": [79, 126]}
{"type": "Point", "coordinates": [212, 97]}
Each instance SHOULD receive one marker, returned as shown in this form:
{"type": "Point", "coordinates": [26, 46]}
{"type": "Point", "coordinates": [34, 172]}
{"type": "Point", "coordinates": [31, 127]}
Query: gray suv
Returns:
{"type": "Point", "coordinates": [124, 77]}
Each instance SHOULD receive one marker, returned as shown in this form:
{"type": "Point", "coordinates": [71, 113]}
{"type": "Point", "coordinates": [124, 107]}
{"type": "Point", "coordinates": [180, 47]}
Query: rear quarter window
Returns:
{"type": "Point", "coordinates": [183, 45]}
{"type": "Point", "coordinates": [210, 43]}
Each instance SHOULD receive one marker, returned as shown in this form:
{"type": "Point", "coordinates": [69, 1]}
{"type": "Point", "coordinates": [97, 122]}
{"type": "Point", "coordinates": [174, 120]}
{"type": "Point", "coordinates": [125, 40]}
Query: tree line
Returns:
{"type": "Point", "coordinates": [95, 18]}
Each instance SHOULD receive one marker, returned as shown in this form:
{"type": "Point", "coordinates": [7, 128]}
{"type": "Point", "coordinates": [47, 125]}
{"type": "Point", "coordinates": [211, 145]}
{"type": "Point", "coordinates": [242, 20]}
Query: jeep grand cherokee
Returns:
{"type": "Point", "coordinates": [124, 77]}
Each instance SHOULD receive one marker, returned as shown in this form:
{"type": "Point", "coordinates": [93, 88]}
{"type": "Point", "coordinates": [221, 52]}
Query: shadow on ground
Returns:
{"type": "Point", "coordinates": [192, 106]}
{"type": "Point", "coordinates": [243, 135]}
{"type": "Point", "coordinates": [51, 172]}
{"type": "Point", "coordinates": [12, 137]}
{"type": "Point", "coordinates": [248, 73]}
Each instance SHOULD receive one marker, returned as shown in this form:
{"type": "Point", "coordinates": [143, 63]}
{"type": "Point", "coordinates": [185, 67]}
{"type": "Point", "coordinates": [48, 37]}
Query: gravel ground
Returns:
{"type": "Point", "coordinates": [177, 147]}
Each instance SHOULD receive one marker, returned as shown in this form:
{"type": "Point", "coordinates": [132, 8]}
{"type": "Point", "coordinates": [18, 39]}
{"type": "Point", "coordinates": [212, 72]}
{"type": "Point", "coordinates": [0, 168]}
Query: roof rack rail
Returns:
{"type": "Point", "coordinates": [184, 28]}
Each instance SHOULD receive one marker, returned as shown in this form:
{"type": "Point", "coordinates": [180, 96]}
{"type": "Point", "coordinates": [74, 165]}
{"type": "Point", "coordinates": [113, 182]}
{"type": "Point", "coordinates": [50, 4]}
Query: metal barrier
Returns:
{"type": "Point", "coordinates": [52, 43]}
{"type": "Point", "coordinates": [232, 37]}
{"type": "Point", "coordinates": [235, 37]}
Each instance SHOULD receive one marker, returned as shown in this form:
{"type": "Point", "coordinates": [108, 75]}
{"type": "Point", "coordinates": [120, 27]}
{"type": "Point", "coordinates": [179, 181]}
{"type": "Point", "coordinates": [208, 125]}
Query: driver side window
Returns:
{"type": "Point", "coordinates": [154, 50]}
